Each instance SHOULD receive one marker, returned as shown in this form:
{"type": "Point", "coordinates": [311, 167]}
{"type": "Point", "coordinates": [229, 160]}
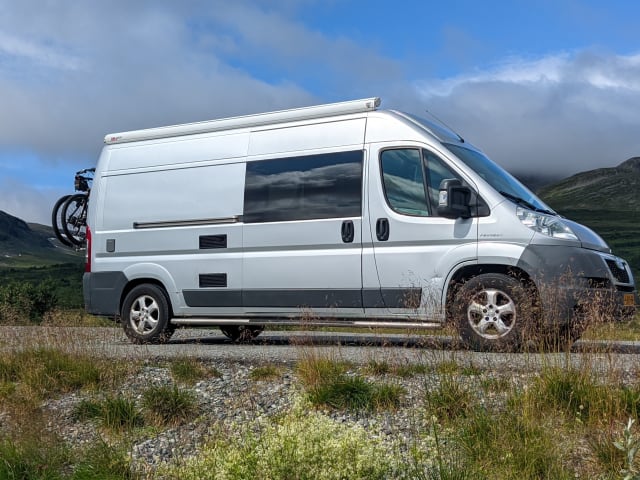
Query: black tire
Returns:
{"type": "Point", "coordinates": [56, 221]}
{"type": "Point", "coordinates": [74, 218]}
{"type": "Point", "coordinates": [145, 315]}
{"type": "Point", "coordinates": [495, 312]}
{"type": "Point", "coordinates": [242, 333]}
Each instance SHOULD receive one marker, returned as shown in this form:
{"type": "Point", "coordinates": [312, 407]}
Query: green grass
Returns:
{"type": "Point", "coordinates": [511, 444]}
{"type": "Point", "coordinates": [103, 461]}
{"type": "Point", "coordinates": [168, 405]}
{"type": "Point", "coordinates": [264, 372]}
{"type": "Point", "coordinates": [43, 372]}
{"type": "Point", "coordinates": [327, 382]}
{"type": "Point", "coordinates": [449, 400]}
{"type": "Point", "coordinates": [119, 413]}
{"type": "Point", "coordinates": [31, 457]}
{"type": "Point", "coordinates": [161, 406]}
{"type": "Point", "coordinates": [189, 370]}
{"type": "Point", "coordinates": [66, 280]}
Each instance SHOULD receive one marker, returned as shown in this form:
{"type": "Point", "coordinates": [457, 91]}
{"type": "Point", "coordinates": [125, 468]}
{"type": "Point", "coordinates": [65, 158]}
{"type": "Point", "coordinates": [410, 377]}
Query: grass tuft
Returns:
{"type": "Point", "coordinates": [264, 372]}
{"type": "Point", "coordinates": [327, 383]}
{"type": "Point", "coordinates": [189, 370]}
{"type": "Point", "coordinates": [120, 413]}
{"type": "Point", "coordinates": [449, 400]}
{"type": "Point", "coordinates": [168, 405]}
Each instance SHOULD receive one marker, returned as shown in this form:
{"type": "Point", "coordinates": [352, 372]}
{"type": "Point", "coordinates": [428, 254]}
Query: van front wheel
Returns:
{"type": "Point", "coordinates": [145, 315]}
{"type": "Point", "coordinates": [491, 313]}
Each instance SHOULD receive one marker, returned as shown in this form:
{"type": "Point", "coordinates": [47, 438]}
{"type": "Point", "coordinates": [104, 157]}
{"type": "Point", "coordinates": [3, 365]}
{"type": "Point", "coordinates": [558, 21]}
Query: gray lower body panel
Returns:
{"type": "Point", "coordinates": [308, 298]}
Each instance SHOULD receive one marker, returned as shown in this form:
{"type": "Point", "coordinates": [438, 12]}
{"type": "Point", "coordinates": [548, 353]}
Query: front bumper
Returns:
{"type": "Point", "coordinates": [577, 284]}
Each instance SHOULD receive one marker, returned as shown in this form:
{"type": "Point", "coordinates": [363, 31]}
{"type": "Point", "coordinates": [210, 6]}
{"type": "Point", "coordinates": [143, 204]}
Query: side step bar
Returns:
{"type": "Point", "coordinates": [204, 322]}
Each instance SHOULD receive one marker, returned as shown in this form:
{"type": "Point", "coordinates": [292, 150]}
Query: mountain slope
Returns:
{"type": "Point", "coordinates": [615, 189]}
{"type": "Point", "coordinates": [25, 245]}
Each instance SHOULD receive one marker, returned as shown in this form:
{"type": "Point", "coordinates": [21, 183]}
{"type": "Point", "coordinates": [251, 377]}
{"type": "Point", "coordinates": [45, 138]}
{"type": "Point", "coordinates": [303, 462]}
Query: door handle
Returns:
{"type": "Point", "coordinates": [382, 229]}
{"type": "Point", "coordinates": [348, 232]}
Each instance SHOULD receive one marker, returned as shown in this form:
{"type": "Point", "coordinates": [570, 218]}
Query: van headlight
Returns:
{"type": "Point", "coordinates": [549, 225]}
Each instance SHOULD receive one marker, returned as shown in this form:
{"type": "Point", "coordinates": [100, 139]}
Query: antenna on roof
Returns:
{"type": "Point", "coordinates": [444, 124]}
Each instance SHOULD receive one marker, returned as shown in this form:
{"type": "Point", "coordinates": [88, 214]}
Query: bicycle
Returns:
{"type": "Point", "coordinates": [69, 215]}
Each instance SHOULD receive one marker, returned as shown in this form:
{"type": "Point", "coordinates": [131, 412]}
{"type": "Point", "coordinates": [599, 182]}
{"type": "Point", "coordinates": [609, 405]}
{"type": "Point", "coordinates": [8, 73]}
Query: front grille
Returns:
{"type": "Point", "coordinates": [620, 274]}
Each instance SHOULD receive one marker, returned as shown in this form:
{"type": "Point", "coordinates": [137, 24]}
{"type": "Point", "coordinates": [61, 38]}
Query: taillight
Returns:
{"type": "Point", "coordinates": [87, 264]}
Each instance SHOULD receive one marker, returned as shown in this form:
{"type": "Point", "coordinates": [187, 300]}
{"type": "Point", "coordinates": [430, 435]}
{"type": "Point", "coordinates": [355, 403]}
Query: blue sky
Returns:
{"type": "Point", "coordinates": [545, 87]}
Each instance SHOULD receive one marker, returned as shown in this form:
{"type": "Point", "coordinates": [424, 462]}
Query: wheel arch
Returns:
{"type": "Point", "coordinates": [466, 272]}
{"type": "Point", "coordinates": [150, 273]}
{"type": "Point", "coordinates": [145, 281]}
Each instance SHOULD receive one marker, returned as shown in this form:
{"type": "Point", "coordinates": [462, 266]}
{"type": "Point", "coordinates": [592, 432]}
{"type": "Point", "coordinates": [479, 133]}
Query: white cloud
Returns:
{"type": "Point", "coordinates": [557, 115]}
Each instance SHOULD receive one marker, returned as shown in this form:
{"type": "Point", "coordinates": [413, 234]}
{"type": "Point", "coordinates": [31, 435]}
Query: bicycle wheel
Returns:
{"type": "Point", "coordinates": [74, 218]}
{"type": "Point", "coordinates": [56, 221]}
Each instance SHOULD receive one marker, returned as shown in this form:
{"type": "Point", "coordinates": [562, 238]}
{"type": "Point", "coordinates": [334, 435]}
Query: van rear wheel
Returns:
{"type": "Point", "coordinates": [493, 312]}
{"type": "Point", "coordinates": [241, 333]}
{"type": "Point", "coordinates": [145, 315]}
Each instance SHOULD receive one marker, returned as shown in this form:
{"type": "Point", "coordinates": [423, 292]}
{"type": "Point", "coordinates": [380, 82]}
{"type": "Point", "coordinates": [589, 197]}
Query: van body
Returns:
{"type": "Point", "coordinates": [338, 214]}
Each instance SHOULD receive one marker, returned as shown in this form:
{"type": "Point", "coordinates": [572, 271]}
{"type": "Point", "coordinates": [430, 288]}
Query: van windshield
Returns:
{"type": "Point", "coordinates": [499, 179]}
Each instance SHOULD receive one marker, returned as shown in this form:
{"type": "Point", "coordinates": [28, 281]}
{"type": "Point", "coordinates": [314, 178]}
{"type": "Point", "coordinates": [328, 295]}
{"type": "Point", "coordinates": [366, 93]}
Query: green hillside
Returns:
{"type": "Point", "coordinates": [31, 245]}
{"type": "Point", "coordinates": [612, 189]}
{"type": "Point", "coordinates": [36, 268]}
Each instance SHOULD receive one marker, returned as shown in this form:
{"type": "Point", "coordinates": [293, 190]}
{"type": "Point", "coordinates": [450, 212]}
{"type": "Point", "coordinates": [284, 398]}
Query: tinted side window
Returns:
{"type": "Point", "coordinates": [403, 179]}
{"type": "Point", "coordinates": [304, 188]}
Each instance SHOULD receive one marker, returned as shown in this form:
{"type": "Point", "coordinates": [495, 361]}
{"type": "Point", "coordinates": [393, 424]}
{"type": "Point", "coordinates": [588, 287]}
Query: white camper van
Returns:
{"type": "Point", "coordinates": [338, 214]}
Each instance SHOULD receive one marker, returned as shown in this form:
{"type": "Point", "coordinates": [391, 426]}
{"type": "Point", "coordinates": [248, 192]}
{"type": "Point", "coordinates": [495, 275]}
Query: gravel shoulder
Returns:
{"type": "Point", "coordinates": [235, 398]}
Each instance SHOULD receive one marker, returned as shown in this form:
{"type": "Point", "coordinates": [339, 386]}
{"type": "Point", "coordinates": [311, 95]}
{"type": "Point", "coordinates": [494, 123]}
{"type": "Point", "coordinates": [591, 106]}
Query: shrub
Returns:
{"type": "Point", "coordinates": [21, 302]}
{"type": "Point", "coordinates": [298, 446]}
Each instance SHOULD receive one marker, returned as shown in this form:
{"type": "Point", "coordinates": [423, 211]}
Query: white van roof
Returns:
{"type": "Point", "coordinates": [246, 121]}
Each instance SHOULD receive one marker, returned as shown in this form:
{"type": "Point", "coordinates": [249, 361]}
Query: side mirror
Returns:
{"type": "Point", "coordinates": [454, 199]}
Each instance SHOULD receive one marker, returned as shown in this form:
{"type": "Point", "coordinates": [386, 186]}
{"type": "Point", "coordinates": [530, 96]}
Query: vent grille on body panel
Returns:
{"type": "Point", "coordinates": [213, 241]}
{"type": "Point", "coordinates": [211, 280]}
{"type": "Point", "coordinates": [620, 274]}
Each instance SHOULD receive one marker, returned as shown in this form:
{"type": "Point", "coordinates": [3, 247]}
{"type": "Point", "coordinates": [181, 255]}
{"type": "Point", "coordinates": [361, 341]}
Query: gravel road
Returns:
{"type": "Point", "coordinates": [288, 346]}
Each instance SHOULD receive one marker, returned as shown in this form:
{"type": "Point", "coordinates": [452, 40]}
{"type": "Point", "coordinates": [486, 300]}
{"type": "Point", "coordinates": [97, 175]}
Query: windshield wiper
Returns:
{"type": "Point", "coordinates": [524, 203]}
